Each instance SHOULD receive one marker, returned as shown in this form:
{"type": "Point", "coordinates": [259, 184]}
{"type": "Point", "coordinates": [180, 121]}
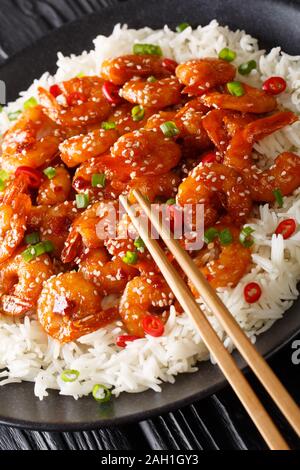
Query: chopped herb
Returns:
{"type": "Point", "coordinates": [169, 129]}
{"type": "Point", "coordinates": [247, 67]}
{"type": "Point", "coordinates": [131, 257]}
{"type": "Point", "coordinates": [181, 27]}
{"type": "Point", "coordinates": [31, 103]}
{"type": "Point", "coordinates": [278, 196]}
{"type": "Point", "coordinates": [108, 125]}
{"type": "Point", "coordinates": [82, 201]}
{"type": "Point", "coordinates": [101, 393]}
{"type": "Point", "coordinates": [227, 54]}
{"type": "Point", "coordinates": [32, 238]}
{"type": "Point", "coordinates": [150, 49]}
{"type": "Point", "coordinates": [151, 79]}
{"type": "Point", "coordinates": [245, 237]}
{"type": "Point", "coordinates": [138, 113]}
{"type": "Point", "coordinates": [69, 375]}
{"type": "Point", "coordinates": [225, 237]}
{"type": "Point", "coordinates": [171, 201]}
{"type": "Point", "coordinates": [235, 88]}
{"type": "Point", "coordinates": [98, 180]}
{"type": "Point", "coordinates": [140, 245]}
{"type": "Point", "coordinates": [14, 116]}
{"type": "Point", "coordinates": [33, 251]}
{"type": "Point", "coordinates": [50, 172]}
{"type": "Point", "coordinates": [210, 234]}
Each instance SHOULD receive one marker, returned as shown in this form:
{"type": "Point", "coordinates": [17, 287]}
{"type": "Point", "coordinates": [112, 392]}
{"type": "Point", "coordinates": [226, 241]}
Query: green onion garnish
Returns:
{"type": "Point", "coordinates": [2, 185]}
{"type": "Point", "coordinates": [245, 237]}
{"type": "Point", "coordinates": [138, 113]}
{"type": "Point", "coordinates": [33, 251]}
{"type": "Point", "coordinates": [169, 129]}
{"type": "Point", "coordinates": [150, 49]}
{"type": "Point", "coordinates": [151, 79]}
{"type": "Point", "coordinates": [108, 125]}
{"type": "Point", "coordinates": [69, 375]}
{"type": "Point", "coordinates": [80, 74]}
{"type": "Point", "coordinates": [98, 180]}
{"type": "Point", "coordinates": [210, 234]}
{"type": "Point", "coordinates": [31, 103]}
{"type": "Point", "coordinates": [4, 175]}
{"type": "Point", "coordinates": [101, 393]}
{"type": "Point", "coordinates": [225, 237]}
{"type": "Point", "coordinates": [181, 27]}
{"type": "Point", "coordinates": [227, 54]}
{"type": "Point", "coordinates": [247, 67]}
{"type": "Point", "coordinates": [82, 201]}
{"type": "Point", "coordinates": [50, 172]}
{"type": "Point", "coordinates": [278, 196]}
{"type": "Point", "coordinates": [171, 201]}
{"type": "Point", "coordinates": [131, 257]}
{"type": "Point", "coordinates": [140, 245]}
{"type": "Point", "coordinates": [32, 238]}
{"type": "Point", "coordinates": [235, 88]}
{"type": "Point", "coordinates": [14, 116]}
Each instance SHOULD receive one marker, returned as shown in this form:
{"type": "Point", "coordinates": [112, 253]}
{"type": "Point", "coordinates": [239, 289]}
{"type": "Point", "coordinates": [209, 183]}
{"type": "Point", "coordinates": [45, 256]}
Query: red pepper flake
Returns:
{"type": "Point", "coordinates": [252, 292]}
{"type": "Point", "coordinates": [169, 65]}
{"type": "Point", "coordinates": [75, 98]}
{"type": "Point", "coordinates": [55, 90]}
{"type": "Point", "coordinates": [111, 92]}
{"type": "Point", "coordinates": [286, 228]}
{"type": "Point", "coordinates": [274, 85]}
{"type": "Point", "coordinates": [122, 340]}
{"type": "Point", "coordinates": [209, 157]}
{"type": "Point", "coordinates": [153, 325]}
{"type": "Point", "coordinates": [35, 177]}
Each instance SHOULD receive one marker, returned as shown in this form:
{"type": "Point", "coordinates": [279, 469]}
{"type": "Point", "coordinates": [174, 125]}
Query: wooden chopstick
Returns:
{"type": "Point", "coordinates": [225, 361]}
{"type": "Point", "coordinates": [262, 370]}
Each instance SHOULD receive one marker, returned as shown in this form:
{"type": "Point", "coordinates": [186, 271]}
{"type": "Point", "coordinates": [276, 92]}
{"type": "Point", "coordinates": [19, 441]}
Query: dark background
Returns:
{"type": "Point", "coordinates": [217, 422]}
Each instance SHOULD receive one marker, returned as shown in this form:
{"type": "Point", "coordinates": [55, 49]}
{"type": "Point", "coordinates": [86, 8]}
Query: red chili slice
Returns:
{"type": "Point", "coordinates": [209, 157]}
{"type": "Point", "coordinates": [35, 177]}
{"type": "Point", "coordinates": [122, 340]}
{"type": "Point", "coordinates": [153, 326]}
{"type": "Point", "coordinates": [169, 64]}
{"type": "Point", "coordinates": [55, 90]}
{"type": "Point", "coordinates": [111, 92]}
{"type": "Point", "coordinates": [274, 85]}
{"type": "Point", "coordinates": [252, 292]}
{"type": "Point", "coordinates": [75, 98]}
{"type": "Point", "coordinates": [286, 228]}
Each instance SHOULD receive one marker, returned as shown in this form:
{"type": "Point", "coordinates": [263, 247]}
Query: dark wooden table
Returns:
{"type": "Point", "coordinates": [217, 422]}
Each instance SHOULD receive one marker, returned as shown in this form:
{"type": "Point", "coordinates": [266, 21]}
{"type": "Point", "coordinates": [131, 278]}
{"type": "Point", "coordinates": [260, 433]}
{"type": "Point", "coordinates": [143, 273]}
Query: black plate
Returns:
{"type": "Point", "coordinates": [274, 23]}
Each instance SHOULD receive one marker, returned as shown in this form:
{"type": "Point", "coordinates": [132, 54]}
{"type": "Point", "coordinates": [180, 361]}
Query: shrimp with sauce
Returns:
{"type": "Point", "coordinates": [157, 95]}
{"type": "Point", "coordinates": [55, 190]}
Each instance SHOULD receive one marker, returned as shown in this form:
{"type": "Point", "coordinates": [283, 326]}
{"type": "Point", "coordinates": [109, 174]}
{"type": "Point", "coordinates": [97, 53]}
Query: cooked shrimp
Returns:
{"type": "Point", "coordinates": [157, 95]}
{"type": "Point", "coordinates": [199, 75]}
{"type": "Point", "coordinates": [253, 101]}
{"type": "Point", "coordinates": [55, 190]}
{"type": "Point", "coordinates": [212, 184]}
{"type": "Point", "coordinates": [32, 141]}
{"type": "Point", "coordinates": [122, 118]}
{"type": "Point", "coordinates": [81, 103]}
{"type": "Point", "coordinates": [14, 212]}
{"type": "Point", "coordinates": [121, 69]}
{"type": "Point", "coordinates": [160, 186]}
{"type": "Point", "coordinates": [70, 307]}
{"type": "Point", "coordinates": [144, 296]}
{"type": "Point", "coordinates": [82, 147]}
{"type": "Point", "coordinates": [22, 282]}
{"type": "Point", "coordinates": [155, 120]}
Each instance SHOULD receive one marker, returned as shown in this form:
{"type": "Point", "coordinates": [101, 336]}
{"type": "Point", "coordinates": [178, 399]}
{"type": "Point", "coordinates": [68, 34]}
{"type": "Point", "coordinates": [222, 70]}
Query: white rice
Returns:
{"type": "Point", "coordinates": [26, 353]}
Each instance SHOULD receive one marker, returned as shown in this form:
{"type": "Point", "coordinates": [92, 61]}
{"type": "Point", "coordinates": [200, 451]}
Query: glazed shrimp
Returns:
{"type": "Point", "coordinates": [253, 101]}
{"type": "Point", "coordinates": [70, 306]}
{"type": "Point", "coordinates": [14, 212]}
{"type": "Point", "coordinates": [55, 190]}
{"type": "Point", "coordinates": [32, 141]}
{"type": "Point", "coordinates": [157, 95]}
{"type": "Point", "coordinates": [81, 147]}
{"type": "Point", "coordinates": [212, 184]}
{"type": "Point", "coordinates": [160, 186]}
{"type": "Point", "coordinates": [21, 283]}
{"type": "Point", "coordinates": [199, 75]}
{"type": "Point", "coordinates": [121, 69]}
{"type": "Point", "coordinates": [122, 118]}
{"type": "Point", "coordinates": [141, 297]}
{"type": "Point", "coordinates": [81, 102]}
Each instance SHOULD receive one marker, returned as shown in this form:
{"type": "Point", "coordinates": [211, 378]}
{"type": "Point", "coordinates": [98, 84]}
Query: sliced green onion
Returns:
{"type": "Point", "coordinates": [14, 116]}
{"type": "Point", "coordinates": [50, 172]}
{"type": "Point", "coordinates": [2, 185]}
{"type": "Point", "coordinates": [245, 237]}
{"type": "Point", "coordinates": [151, 79]}
{"type": "Point", "coordinates": [227, 54]}
{"type": "Point", "coordinates": [101, 393]}
{"type": "Point", "coordinates": [140, 245]}
{"type": "Point", "coordinates": [108, 125]}
{"type": "Point", "coordinates": [210, 234]}
{"type": "Point", "coordinates": [181, 27]}
{"type": "Point", "coordinates": [80, 74]}
{"type": "Point", "coordinates": [138, 113]}
{"type": "Point", "coordinates": [171, 201]}
{"type": "Point", "coordinates": [33, 251]}
{"type": "Point", "coordinates": [69, 375]}
{"type": "Point", "coordinates": [98, 180]}
{"type": "Point", "coordinates": [235, 88]}
{"type": "Point", "coordinates": [32, 238]}
{"type": "Point", "coordinates": [31, 103]}
{"type": "Point", "coordinates": [247, 67]}
{"type": "Point", "coordinates": [278, 196]}
{"type": "Point", "coordinates": [225, 237]}
{"type": "Point", "coordinates": [169, 129]}
{"type": "Point", "coordinates": [4, 175]}
{"type": "Point", "coordinates": [82, 201]}
{"type": "Point", "coordinates": [131, 257]}
{"type": "Point", "coordinates": [150, 49]}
